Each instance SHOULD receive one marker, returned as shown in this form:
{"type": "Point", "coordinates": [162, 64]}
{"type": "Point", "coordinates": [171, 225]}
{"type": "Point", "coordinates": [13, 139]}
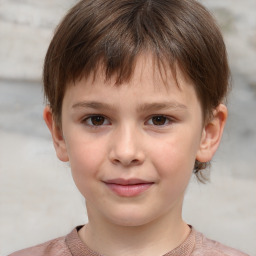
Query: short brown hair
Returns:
{"type": "Point", "coordinates": [115, 32]}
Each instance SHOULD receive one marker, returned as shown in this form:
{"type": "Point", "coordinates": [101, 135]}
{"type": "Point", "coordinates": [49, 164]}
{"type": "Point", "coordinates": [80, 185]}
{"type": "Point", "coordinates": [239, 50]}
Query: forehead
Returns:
{"type": "Point", "coordinates": [147, 68]}
{"type": "Point", "coordinates": [150, 82]}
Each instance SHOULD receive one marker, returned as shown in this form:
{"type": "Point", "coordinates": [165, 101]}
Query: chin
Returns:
{"type": "Point", "coordinates": [130, 222]}
{"type": "Point", "coordinates": [130, 219]}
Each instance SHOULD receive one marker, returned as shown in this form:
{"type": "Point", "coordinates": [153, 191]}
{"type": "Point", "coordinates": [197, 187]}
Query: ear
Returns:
{"type": "Point", "coordinates": [212, 133]}
{"type": "Point", "coordinates": [57, 136]}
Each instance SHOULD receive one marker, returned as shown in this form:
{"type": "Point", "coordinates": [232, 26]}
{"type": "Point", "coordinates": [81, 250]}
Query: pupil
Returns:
{"type": "Point", "coordinates": [159, 120]}
{"type": "Point", "coordinates": [97, 120]}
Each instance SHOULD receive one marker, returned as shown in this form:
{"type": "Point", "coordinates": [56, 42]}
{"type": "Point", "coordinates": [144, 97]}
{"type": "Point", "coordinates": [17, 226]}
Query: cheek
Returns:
{"type": "Point", "coordinates": [175, 156]}
{"type": "Point", "coordinates": [85, 152]}
{"type": "Point", "coordinates": [174, 165]}
{"type": "Point", "coordinates": [85, 157]}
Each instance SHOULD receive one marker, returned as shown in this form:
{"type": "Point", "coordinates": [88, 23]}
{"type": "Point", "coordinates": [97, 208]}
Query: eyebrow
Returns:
{"type": "Point", "coordinates": [142, 108]}
{"type": "Point", "coordinates": [92, 104]}
{"type": "Point", "coordinates": [161, 106]}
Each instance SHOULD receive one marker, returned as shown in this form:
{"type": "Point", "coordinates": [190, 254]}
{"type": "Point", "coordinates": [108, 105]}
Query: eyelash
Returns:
{"type": "Point", "coordinates": [88, 120]}
{"type": "Point", "coordinates": [167, 120]}
{"type": "Point", "coordinates": [101, 118]}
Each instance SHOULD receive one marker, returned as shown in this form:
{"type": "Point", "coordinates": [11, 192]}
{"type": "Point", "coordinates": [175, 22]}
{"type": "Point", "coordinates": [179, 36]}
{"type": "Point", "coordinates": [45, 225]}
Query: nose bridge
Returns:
{"type": "Point", "coordinates": [126, 147]}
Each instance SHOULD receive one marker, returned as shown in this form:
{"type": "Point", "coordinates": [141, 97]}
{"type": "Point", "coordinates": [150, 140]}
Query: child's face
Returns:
{"type": "Point", "coordinates": [132, 148]}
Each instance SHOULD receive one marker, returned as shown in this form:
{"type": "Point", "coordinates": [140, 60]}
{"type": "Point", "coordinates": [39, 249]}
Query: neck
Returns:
{"type": "Point", "coordinates": [155, 238]}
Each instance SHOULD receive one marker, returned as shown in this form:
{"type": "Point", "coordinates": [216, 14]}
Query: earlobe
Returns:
{"type": "Point", "coordinates": [212, 133]}
{"type": "Point", "coordinates": [57, 136]}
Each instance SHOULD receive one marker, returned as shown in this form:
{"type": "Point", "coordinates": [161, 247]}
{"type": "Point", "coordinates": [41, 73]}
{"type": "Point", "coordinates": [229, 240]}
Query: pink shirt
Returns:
{"type": "Point", "coordinates": [196, 244]}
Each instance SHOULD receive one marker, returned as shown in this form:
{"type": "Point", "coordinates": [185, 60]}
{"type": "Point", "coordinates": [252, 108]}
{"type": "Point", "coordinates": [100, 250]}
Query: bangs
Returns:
{"type": "Point", "coordinates": [117, 51]}
{"type": "Point", "coordinates": [111, 35]}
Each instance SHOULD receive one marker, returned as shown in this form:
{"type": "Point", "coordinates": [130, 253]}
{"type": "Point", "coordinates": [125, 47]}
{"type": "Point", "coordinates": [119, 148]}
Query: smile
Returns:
{"type": "Point", "coordinates": [128, 188]}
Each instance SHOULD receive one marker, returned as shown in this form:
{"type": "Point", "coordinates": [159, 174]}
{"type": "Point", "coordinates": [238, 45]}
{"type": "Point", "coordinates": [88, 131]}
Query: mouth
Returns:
{"type": "Point", "coordinates": [128, 188]}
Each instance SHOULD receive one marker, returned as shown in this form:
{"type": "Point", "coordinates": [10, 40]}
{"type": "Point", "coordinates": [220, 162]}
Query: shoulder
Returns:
{"type": "Point", "coordinates": [208, 247]}
{"type": "Point", "coordinates": [55, 247]}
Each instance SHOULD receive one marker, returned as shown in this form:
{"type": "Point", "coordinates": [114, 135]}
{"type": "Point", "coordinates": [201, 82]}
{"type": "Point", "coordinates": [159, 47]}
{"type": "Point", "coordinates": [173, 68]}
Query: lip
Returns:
{"type": "Point", "coordinates": [128, 188]}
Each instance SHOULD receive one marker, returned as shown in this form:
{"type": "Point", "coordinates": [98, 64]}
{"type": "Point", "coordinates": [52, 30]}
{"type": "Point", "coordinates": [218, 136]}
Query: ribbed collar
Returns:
{"type": "Point", "coordinates": [79, 248]}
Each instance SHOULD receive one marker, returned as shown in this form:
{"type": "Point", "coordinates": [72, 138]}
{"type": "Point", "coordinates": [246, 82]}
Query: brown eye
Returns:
{"type": "Point", "coordinates": [96, 120]}
{"type": "Point", "coordinates": [159, 120]}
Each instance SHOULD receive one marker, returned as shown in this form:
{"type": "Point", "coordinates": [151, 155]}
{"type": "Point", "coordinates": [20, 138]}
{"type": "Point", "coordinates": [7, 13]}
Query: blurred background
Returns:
{"type": "Point", "coordinates": [38, 199]}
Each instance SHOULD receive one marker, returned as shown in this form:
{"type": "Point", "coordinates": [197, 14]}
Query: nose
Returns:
{"type": "Point", "coordinates": [126, 147]}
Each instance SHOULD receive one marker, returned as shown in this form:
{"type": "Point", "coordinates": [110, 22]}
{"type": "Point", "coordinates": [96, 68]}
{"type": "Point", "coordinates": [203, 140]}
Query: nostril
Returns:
{"type": "Point", "coordinates": [126, 162]}
{"type": "Point", "coordinates": [126, 156]}
{"type": "Point", "coordinates": [135, 161]}
{"type": "Point", "coordinates": [115, 161]}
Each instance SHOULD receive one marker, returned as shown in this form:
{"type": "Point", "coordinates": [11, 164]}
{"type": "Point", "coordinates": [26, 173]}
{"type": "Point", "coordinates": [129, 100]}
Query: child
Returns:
{"type": "Point", "coordinates": [135, 92]}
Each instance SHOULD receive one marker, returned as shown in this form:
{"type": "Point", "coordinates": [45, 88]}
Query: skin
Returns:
{"type": "Point", "coordinates": [145, 129]}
